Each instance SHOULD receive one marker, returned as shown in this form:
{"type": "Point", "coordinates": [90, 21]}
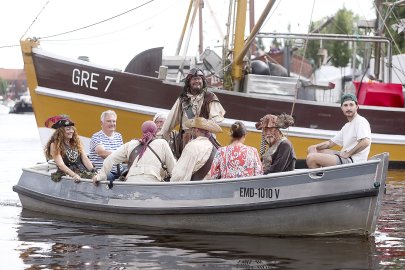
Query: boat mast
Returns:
{"type": "Point", "coordinates": [240, 50]}
{"type": "Point", "coordinates": [184, 28]}
{"type": "Point", "coordinates": [253, 48]}
{"type": "Point", "coordinates": [237, 66]}
{"type": "Point", "coordinates": [200, 27]}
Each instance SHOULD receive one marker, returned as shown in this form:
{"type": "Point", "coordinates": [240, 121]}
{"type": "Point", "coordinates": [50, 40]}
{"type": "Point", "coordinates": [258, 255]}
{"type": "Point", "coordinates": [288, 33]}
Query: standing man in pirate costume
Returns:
{"type": "Point", "coordinates": [195, 101]}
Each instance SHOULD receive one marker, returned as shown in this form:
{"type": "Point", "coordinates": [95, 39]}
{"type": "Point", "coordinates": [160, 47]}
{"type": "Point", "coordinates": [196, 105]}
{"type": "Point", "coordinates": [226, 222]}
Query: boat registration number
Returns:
{"type": "Point", "coordinates": [91, 80]}
{"type": "Point", "coordinates": [270, 193]}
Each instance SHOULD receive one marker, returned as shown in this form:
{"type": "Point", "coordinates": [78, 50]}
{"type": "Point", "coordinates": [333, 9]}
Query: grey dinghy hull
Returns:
{"type": "Point", "coordinates": [341, 199]}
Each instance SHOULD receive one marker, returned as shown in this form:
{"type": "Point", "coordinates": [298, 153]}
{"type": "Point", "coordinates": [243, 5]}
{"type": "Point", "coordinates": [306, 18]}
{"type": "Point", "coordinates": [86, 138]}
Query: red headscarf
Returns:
{"type": "Point", "coordinates": [149, 130]}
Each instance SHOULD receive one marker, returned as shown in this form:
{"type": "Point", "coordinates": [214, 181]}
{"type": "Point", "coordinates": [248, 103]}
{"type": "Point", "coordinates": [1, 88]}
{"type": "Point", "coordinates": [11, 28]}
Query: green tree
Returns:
{"type": "Point", "coordinates": [3, 86]}
{"type": "Point", "coordinates": [391, 30]}
{"type": "Point", "coordinates": [343, 24]}
{"type": "Point", "coordinates": [339, 53]}
{"type": "Point", "coordinates": [313, 46]}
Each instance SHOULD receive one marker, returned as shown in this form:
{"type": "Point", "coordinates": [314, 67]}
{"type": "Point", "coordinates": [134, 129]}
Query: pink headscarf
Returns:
{"type": "Point", "coordinates": [149, 130]}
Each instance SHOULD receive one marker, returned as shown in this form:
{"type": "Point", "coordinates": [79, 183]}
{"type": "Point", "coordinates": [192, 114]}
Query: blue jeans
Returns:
{"type": "Point", "coordinates": [112, 176]}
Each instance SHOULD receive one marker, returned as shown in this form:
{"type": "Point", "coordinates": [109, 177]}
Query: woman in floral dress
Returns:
{"type": "Point", "coordinates": [236, 160]}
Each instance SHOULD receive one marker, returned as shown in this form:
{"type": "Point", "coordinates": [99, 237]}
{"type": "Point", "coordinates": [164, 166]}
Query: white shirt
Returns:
{"type": "Point", "coordinates": [146, 169]}
{"type": "Point", "coordinates": [351, 133]}
{"type": "Point", "coordinates": [195, 154]}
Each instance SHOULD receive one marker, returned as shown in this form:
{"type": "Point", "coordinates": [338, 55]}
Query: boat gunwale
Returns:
{"type": "Point", "coordinates": [255, 206]}
{"type": "Point", "coordinates": [266, 177]}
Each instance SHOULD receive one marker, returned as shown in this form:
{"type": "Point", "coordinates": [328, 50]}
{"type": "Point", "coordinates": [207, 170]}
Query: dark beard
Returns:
{"type": "Point", "coordinates": [195, 92]}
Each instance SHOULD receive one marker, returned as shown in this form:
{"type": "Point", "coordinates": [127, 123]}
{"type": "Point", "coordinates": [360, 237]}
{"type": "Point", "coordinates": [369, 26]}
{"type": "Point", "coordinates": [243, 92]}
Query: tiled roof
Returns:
{"type": "Point", "coordinates": [12, 74]}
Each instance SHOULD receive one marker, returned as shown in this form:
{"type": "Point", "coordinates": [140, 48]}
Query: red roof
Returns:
{"type": "Point", "coordinates": [12, 74]}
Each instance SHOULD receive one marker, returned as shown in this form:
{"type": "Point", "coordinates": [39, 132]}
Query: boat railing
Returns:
{"type": "Point", "coordinates": [47, 168]}
{"type": "Point", "coordinates": [337, 37]}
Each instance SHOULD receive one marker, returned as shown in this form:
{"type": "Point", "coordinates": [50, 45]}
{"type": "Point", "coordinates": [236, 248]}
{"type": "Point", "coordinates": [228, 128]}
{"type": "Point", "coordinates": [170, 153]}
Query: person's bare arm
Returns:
{"type": "Point", "coordinates": [86, 161]}
{"type": "Point", "coordinates": [101, 151]}
{"type": "Point", "coordinates": [360, 146]}
{"type": "Point", "coordinates": [321, 146]}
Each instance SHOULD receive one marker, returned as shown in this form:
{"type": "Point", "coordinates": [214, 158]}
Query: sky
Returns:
{"type": "Point", "coordinates": [155, 23]}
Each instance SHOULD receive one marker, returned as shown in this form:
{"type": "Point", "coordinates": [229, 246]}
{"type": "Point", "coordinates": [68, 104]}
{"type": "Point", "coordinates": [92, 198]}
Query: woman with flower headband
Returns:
{"type": "Point", "coordinates": [66, 149]}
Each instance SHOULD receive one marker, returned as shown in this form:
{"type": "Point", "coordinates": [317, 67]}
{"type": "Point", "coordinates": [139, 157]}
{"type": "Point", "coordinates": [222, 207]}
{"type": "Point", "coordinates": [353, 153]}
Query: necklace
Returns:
{"type": "Point", "coordinates": [72, 154]}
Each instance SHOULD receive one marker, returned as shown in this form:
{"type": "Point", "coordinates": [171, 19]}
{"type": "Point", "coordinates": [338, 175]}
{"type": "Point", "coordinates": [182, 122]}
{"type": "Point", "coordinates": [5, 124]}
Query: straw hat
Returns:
{"type": "Point", "coordinates": [202, 123]}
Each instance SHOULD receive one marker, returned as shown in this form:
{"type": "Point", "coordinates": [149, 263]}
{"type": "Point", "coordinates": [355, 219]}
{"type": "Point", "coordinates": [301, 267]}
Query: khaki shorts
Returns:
{"type": "Point", "coordinates": [340, 160]}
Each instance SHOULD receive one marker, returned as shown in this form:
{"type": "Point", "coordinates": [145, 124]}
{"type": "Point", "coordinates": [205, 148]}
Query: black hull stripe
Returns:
{"type": "Point", "coordinates": [197, 210]}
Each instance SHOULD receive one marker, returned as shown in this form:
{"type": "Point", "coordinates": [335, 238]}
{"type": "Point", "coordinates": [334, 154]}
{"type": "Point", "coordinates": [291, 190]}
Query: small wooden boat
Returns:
{"type": "Point", "coordinates": [343, 199]}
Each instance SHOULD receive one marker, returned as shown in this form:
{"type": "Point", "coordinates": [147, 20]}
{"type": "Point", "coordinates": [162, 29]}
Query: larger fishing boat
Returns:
{"type": "Point", "coordinates": [83, 90]}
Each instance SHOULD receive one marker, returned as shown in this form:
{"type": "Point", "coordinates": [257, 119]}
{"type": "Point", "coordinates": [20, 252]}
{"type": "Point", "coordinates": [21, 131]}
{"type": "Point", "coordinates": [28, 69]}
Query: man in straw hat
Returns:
{"type": "Point", "coordinates": [195, 101]}
{"type": "Point", "coordinates": [280, 155]}
{"type": "Point", "coordinates": [195, 161]}
{"type": "Point", "coordinates": [354, 137]}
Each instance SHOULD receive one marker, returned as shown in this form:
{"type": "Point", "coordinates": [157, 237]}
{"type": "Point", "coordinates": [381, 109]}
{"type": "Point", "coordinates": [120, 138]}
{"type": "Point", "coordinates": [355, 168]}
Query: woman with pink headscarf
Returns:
{"type": "Point", "coordinates": [142, 156]}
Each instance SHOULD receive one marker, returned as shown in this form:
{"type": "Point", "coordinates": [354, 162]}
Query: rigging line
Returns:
{"type": "Point", "coordinates": [339, 28]}
{"type": "Point", "coordinates": [102, 21]}
{"type": "Point", "coordinates": [232, 61]}
{"type": "Point", "coordinates": [32, 23]}
{"type": "Point", "coordinates": [116, 31]}
{"type": "Point", "coordinates": [393, 40]}
{"type": "Point", "coordinates": [302, 61]}
{"type": "Point", "coordinates": [9, 46]}
{"type": "Point", "coordinates": [272, 13]}
{"type": "Point", "coordinates": [396, 70]}
{"type": "Point", "coordinates": [397, 20]}
{"type": "Point", "coordinates": [361, 9]}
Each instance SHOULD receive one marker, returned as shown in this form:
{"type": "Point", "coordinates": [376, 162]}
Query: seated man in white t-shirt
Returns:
{"type": "Point", "coordinates": [354, 137]}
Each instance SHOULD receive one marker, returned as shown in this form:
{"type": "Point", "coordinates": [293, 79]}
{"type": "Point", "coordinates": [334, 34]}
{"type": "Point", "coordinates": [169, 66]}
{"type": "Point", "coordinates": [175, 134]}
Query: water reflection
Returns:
{"type": "Point", "coordinates": [390, 236]}
{"type": "Point", "coordinates": [57, 244]}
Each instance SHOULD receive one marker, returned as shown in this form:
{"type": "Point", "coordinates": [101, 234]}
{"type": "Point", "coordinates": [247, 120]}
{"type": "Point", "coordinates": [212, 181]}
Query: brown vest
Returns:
{"type": "Point", "coordinates": [208, 98]}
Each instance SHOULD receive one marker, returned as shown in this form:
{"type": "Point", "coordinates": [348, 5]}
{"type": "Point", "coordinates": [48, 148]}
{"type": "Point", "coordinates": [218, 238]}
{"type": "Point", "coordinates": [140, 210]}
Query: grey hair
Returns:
{"type": "Point", "coordinates": [105, 113]}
